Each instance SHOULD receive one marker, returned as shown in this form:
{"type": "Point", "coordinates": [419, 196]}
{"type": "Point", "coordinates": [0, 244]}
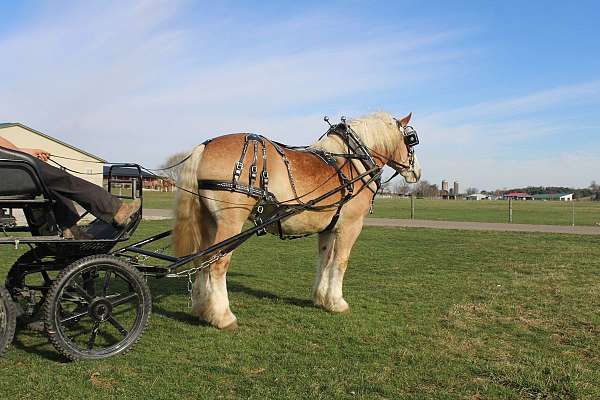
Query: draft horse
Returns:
{"type": "Point", "coordinates": [267, 175]}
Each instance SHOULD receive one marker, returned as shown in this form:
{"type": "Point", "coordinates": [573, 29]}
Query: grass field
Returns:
{"type": "Point", "coordinates": [435, 314]}
{"type": "Point", "coordinates": [524, 212]}
{"type": "Point", "coordinates": [161, 200]}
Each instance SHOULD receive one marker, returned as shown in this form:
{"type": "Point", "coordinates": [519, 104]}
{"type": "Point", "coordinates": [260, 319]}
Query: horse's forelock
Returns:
{"type": "Point", "coordinates": [378, 131]}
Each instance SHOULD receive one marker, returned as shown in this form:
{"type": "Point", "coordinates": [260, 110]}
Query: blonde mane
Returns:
{"type": "Point", "coordinates": [378, 131]}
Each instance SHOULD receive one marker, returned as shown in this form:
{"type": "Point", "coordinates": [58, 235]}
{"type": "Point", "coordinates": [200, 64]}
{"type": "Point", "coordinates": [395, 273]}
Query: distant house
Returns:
{"type": "Point", "coordinates": [477, 196]}
{"type": "Point", "coordinates": [150, 181]}
{"type": "Point", "coordinates": [67, 155]}
{"type": "Point", "coordinates": [518, 196]}
{"type": "Point", "coordinates": [554, 196]}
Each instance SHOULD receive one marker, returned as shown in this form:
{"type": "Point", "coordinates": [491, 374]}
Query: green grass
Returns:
{"type": "Point", "coordinates": [524, 212]}
{"type": "Point", "coordinates": [161, 200]}
{"type": "Point", "coordinates": [434, 314]}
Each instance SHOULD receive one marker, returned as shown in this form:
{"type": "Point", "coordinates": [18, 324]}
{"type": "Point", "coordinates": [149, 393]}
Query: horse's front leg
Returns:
{"type": "Point", "coordinates": [334, 252]}
{"type": "Point", "coordinates": [210, 301]}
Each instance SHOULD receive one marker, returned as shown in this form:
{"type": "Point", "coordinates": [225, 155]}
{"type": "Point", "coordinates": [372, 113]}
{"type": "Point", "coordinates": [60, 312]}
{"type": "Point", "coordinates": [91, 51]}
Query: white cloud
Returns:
{"type": "Point", "coordinates": [114, 77]}
{"type": "Point", "coordinates": [504, 143]}
{"type": "Point", "coordinates": [137, 81]}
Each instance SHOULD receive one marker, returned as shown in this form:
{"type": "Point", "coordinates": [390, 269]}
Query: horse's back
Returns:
{"type": "Point", "coordinates": [294, 176]}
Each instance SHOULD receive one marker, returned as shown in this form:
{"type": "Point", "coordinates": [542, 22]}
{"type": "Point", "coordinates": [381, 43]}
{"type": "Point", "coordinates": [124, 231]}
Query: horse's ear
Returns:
{"type": "Point", "coordinates": [404, 121]}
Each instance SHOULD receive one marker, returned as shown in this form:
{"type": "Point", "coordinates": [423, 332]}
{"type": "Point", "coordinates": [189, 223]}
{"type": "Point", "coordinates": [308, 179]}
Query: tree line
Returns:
{"type": "Point", "coordinates": [426, 189]}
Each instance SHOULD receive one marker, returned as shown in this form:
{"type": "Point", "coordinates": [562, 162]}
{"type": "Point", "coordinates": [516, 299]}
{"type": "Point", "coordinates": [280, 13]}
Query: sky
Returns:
{"type": "Point", "coordinates": [503, 93]}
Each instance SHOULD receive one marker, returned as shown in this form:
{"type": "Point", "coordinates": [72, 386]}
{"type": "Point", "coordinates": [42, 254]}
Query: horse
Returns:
{"type": "Point", "coordinates": [208, 215]}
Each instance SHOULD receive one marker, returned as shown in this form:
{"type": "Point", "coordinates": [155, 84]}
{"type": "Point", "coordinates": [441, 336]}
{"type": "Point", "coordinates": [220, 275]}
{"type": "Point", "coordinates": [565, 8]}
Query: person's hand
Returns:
{"type": "Point", "coordinates": [39, 153]}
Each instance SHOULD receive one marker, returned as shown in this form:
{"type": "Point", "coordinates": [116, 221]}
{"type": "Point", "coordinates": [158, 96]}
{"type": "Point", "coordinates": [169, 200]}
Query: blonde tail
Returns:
{"type": "Point", "coordinates": [186, 232]}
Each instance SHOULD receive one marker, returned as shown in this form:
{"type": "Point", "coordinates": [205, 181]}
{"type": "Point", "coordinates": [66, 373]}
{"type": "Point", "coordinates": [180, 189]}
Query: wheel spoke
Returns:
{"type": "Point", "coordinates": [117, 301]}
{"type": "Point", "coordinates": [106, 283]}
{"type": "Point", "coordinates": [88, 282]}
{"type": "Point", "coordinates": [73, 317]}
{"type": "Point", "coordinates": [93, 334]}
{"type": "Point", "coordinates": [81, 291]}
{"type": "Point", "coordinates": [117, 325]}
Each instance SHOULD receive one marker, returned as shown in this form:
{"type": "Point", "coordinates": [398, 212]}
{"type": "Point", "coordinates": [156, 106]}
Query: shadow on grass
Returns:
{"type": "Point", "coordinates": [162, 287]}
{"type": "Point", "coordinates": [37, 349]}
{"type": "Point", "coordinates": [262, 294]}
{"type": "Point", "coordinates": [181, 316]}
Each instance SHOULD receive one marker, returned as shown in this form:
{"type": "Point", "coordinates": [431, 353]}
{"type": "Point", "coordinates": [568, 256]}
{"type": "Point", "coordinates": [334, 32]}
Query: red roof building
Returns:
{"type": "Point", "coordinates": [518, 196]}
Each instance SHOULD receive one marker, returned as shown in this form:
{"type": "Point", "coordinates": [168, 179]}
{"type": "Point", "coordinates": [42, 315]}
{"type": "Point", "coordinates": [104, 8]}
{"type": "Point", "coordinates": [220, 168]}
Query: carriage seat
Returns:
{"type": "Point", "coordinates": [20, 177]}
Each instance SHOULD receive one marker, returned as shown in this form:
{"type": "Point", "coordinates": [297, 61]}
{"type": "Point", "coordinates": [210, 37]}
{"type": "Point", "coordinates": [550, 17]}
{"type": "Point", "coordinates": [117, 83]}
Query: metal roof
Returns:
{"type": "Point", "coordinates": [128, 172]}
{"type": "Point", "coordinates": [20, 125]}
{"type": "Point", "coordinates": [550, 196]}
{"type": "Point", "coordinates": [517, 194]}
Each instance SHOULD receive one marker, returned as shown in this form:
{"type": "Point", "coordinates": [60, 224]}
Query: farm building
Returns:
{"type": "Point", "coordinates": [518, 196]}
{"type": "Point", "coordinates": [477, 196]}
{"type": "Point", "coordinates": [75, 158]}
{"type": "Point", "coordinates": [555, 196]}
{"type": "Point", "coordinates": [150, 181]}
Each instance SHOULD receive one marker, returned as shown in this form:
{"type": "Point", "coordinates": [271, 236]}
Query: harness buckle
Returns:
{"type": "Point", "coordinates": [258, 221]}
{"type": "Point", "coordinates": [238, 168]}
{"type": "Point", "coordinates": [265, 177]}
{"type": "Point", "coordinates": [259, 209]}
{"type": "Point", "coordinates": [253, 171]}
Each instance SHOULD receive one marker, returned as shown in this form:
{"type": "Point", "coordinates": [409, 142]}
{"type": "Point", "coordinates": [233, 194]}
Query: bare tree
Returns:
{"type": "Point", "coordinates": [426, 189]}
{"type": "Point", "coordinates": [175, 162]}
{"type": "Point", "coordinates": [402, 188]}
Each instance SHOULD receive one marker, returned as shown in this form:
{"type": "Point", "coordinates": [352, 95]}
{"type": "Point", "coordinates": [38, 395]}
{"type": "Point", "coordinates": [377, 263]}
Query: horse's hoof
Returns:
{"type": "Point", "coordinates": [340, 307]}
{"type": "Point", "coordinates": [231, 327]}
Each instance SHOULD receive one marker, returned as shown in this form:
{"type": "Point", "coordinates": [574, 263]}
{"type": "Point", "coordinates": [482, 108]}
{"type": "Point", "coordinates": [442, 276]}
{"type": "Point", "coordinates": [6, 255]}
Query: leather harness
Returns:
{"type": "Point", "coordinates": [266, 199]}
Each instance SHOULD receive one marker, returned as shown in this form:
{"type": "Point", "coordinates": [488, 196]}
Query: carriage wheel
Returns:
{"type": "Point", "coordinates": [97, 307]}
{"type": "Point", "coordinates": [8, 319]}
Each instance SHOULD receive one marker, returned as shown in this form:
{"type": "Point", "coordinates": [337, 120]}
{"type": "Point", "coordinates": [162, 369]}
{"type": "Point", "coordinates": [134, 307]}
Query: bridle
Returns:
{"type": "Point", "coordinates": [359, 150]}
{"type": "Point", "coordinates": [411, 139]}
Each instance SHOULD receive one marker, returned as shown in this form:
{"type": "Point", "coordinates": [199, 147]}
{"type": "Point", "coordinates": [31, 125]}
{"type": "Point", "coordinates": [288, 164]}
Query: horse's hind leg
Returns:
{"type": "Point", "coordinates": [334, 252]}
{"type": "Point", "coordinates": [210, 301]}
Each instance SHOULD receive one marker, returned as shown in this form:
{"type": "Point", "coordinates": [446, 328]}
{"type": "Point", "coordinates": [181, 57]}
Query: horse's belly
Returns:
{"type": "Point", "coordinates": [306, 222]}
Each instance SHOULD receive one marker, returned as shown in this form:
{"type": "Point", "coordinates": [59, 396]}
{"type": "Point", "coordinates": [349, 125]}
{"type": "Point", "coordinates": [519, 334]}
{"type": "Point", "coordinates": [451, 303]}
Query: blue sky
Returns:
{"type": "Point", "coordinates": [503, 94]}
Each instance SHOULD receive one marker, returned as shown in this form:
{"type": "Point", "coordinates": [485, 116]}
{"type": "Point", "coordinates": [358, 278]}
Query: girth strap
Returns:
{"type": "Point", "coordinates": [240, 188]}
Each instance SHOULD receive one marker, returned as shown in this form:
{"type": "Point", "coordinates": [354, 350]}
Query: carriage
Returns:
{"type": "Point", "coordinates": [91, 296]}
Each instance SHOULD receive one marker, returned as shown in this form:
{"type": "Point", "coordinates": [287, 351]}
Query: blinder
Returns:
{"type": "Point", "coordinates": [410, 136]}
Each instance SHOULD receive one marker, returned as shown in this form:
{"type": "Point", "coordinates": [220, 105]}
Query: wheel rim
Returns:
{"type": "Point", "coordinates": [99, 310]}
{"type": "Point", "coordinates": [3, 319]}
{"type": "Point", "coordinates": [7, 320]}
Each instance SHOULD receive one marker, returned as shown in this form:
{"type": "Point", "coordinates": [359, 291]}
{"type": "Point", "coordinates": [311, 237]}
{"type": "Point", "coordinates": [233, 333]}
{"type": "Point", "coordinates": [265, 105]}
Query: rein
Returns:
{"type": "Point", "coordinates": [356, 150]}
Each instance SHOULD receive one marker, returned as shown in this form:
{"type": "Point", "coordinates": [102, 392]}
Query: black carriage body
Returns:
{"type": "Point", "coordinates": [22, 187]}
{"type": "Point", "coordinates": [45, 275]}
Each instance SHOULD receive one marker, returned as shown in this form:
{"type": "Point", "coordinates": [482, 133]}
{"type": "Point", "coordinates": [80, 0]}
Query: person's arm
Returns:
{"type": "Point", "coordinates": [7, 144]}
{"type": "Point", "coordinates": [39, 153]}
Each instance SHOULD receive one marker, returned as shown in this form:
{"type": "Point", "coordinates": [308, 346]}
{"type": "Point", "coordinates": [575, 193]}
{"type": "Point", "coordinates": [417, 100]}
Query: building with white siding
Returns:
{"type": "Point", "coordinates": [75, 159]}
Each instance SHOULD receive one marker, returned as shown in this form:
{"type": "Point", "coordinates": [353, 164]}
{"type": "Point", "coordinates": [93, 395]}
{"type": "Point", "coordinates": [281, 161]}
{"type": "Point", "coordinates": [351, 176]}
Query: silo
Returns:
{"type": "Point", "coordinates": [445, 185]}
{"type": "Point", "coordinates": [456, 190]}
